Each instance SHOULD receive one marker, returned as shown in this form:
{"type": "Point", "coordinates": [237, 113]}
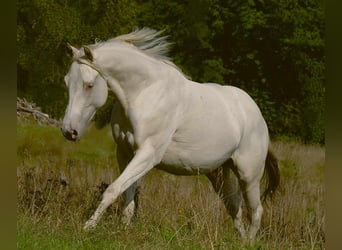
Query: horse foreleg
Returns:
{"type": "Point", "coordinates": [142, 162]}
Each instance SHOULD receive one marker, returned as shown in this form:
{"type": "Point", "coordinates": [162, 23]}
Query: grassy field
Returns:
{"type": "Point", "coordinates": [60, 184]}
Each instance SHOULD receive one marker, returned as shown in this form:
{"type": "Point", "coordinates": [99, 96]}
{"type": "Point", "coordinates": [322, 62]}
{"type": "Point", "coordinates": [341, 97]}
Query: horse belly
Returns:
{"type": "Point", "coordinates": [176, 169]}
{"type": "Point", "coordinates": [191, 159]}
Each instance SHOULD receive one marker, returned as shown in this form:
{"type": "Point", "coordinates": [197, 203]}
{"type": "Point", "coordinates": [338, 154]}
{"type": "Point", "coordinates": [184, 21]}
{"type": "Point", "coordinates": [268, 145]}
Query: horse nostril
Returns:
{"type": "Point", "coordinates": [70, 135]}
{"type": "Point", "coordinates": [74, 132]}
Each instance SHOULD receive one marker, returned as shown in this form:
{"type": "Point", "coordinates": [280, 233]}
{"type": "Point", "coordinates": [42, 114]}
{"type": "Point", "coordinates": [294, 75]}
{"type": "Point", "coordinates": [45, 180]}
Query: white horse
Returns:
{"type": "Point", "coordinates": [164, 120]}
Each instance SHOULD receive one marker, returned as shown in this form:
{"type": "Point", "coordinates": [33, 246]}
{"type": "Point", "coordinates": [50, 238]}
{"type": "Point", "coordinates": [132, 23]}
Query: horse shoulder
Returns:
{"type": "Point", "coordinates": [154, 114]}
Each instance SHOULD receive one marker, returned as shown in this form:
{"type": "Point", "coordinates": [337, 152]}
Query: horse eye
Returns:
{"type": "Point", "coordinates": [88, 85]}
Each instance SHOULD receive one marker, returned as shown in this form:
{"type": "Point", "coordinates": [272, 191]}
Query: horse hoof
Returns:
{"type": "Point", "coordinates": [89, 225]}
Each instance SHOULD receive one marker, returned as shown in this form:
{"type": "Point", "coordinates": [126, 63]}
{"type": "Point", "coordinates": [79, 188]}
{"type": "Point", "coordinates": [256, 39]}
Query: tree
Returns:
{"type": "Point", "coordinates": [273, 49]}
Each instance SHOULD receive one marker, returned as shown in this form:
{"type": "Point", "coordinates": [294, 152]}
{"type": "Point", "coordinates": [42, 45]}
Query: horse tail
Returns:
{"type": "Point", "coordinates": [272, 175]}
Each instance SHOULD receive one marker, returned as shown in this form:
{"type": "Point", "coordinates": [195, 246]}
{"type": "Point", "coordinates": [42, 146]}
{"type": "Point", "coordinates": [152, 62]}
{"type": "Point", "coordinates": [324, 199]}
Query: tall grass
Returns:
{"type": "Point", "coordinates": [60, 184]}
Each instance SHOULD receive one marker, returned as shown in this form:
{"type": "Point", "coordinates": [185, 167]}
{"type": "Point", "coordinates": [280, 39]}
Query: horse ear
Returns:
{"type": "Point", "coordinates": [88, 53]}
{"type": "Point", "coordinates": [72, 51]}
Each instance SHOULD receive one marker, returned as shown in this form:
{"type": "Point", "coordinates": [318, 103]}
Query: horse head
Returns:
{"type": "Point", "coordinates": [87, 92]}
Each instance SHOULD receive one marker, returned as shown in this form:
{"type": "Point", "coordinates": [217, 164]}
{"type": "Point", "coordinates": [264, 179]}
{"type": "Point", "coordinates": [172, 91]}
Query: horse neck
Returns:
{"type": "Point", "coordinates": [133, 74]}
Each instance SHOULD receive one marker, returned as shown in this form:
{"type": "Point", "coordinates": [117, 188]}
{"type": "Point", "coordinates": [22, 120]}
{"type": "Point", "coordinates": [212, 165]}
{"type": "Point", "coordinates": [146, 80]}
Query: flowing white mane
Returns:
{"type": "Point", "coordinates": [149, 42]}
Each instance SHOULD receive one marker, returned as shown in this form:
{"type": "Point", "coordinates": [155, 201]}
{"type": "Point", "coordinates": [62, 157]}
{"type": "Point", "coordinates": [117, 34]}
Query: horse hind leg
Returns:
{"type": "Point", "coordinates": [131, 195]}
{"type": "Point", "coordinates": [226, 185]}
{"type": "Point", "coordinates": [255, 210]}
{"type": "Point", "coordinates": [131, 204]}
{"type": "Point", "coordinates": [250, 172]}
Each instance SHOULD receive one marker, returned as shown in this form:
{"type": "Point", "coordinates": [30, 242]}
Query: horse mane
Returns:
{"type": "Point", "coordinates": [149, 42]}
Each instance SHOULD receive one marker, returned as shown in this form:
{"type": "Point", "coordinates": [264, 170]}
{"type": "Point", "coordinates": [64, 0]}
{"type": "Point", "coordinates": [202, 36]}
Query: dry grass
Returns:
{"type": "Point", "coordinates": [297, 215]}
{"type": "Point", "coordinates": [174, 212]}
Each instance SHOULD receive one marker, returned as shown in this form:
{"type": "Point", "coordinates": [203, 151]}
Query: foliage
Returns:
{"type": "Point", "coordinates": [274, 49]}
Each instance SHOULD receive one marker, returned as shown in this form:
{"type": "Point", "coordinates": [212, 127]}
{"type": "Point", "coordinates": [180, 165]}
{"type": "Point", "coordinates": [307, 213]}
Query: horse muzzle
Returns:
{"type": "Point", "coordinates": [70, 134]}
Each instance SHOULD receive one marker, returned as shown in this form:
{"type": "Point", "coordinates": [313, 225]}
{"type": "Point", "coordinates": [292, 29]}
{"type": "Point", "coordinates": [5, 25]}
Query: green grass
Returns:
{"type": "Point", "coordinates": [175, 212]}
{"type": "Point", "coordinates": [47, 236]}
{"type": "Point", "coordinates": [48, 141]}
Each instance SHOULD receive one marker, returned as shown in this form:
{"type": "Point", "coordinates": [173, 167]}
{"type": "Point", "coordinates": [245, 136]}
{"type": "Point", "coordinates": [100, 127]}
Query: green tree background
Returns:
{"type": "Point", "coordinates": [273, 49]}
